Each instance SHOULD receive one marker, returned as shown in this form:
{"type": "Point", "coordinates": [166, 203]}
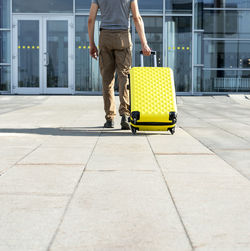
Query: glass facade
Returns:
{"type": "Point", "coordinates": [205, 42]}
{"type": "Point", "coordinates": [5, 46]}
{"type": "Point", "coordinates": [222, 46]}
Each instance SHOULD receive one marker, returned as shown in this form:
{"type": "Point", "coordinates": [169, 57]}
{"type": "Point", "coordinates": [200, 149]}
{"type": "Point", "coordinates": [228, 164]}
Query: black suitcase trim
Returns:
{"type": "Point", "coordinates": [154, 123]}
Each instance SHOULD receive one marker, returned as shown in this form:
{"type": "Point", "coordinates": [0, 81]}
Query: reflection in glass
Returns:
{"type": "Point", "coordinates": [4, 47]}
{"type": "Point", "coordinates": [226, 4]}
{"type": "Point", "coordinates": [4, 14]}
{"type": "Point", "coordinates": [198, 79]}
{"type": "Point", "coordinates": [178, 54]}
{"type": "Point", "coordinates": [87, 69]}
{"type": "Point", "coordinates": [198, 14]}
{"type": "Point", "coordinates": [44, 6]}
{"type": "Point", "coordinates": [28, 53]}
{"type": "Point", "coordinates": [198, 45]}
{"type": "Point", "coordinates": [228, 24]}
{"type": "Point", "coordinates": [227, 54]}
{"type": "Point", "coordinates": [83, 5]}
{"type": "Point", "coordinates": [4, 78]}
{"type": "Point", "coordinates": [226, 81]}
{"type": "Point", "coordinates": [152, 6]}
{"type": "Point", "coordinates": [180, 6]}
{"type": "Point", "coordinates": [154, 34]}
{"type": "Point", "coordinates": [57, 52]}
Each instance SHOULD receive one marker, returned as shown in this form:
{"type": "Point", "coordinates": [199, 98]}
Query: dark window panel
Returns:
{"type": "Point", "coordinates": [4, 47]}
{"type": "Point", "coordinates": [227, 54]}
{"type": "Point", "coordinates": [198, 14]}
{"type": "Point", "coordinates": [226, 24]}
{"type": "Point", "coordinates": [144, 5]}
{"type": "Point", "coordinates": [4, 14]}
{"type": "Point", "coordinates": [83, 5]}
{"type": "Point", "coordinates": [44, 6]}
{"type": "Point", "coordinates": [226, 4]}
{"type": "Point", "coordinates": [4, 78]}
{"type": "Point", "coordinates": [180, 6]}
{"type": "Point", "coordinates": [149, 5]}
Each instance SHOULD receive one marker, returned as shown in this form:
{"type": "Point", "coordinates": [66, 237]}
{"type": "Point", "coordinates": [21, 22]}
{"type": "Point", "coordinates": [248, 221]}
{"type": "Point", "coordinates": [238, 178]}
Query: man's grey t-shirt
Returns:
{"type": "Point", "coordinates": [114, 13]}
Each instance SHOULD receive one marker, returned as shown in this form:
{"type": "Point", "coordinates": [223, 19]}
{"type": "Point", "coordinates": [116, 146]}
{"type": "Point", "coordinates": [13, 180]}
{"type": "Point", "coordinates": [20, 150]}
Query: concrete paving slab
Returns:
{"type": "Point", "coordinates": [217, 138]}
{"type": "Point", "coordinates": [200, 100]}
{"type": "Point", "coordinates": [235, 127]}
{"type": "Point", "coordinates": [191, 122]}
{"type": "Point", "coordinates": [9, 138]}
{"type": "Point", "coordinates": [224, 99]}
{"type": "Point", "coordinates": [241, 99]}
{"type": "Point", "coordinates": [179, 100]}
{"type": "Point", "coordinates": [41, 179]}
{"type": "Point", "coordinates": [206, 111]}
{"type": "Point", "coordinates": [122, 153]}
{"type": "Point", "coordinates": [239, 159]}
{"type": "Point", "coordinates": [180, 142]}
{"type": "Point", "coordinates": [214, 207]}
{"type": "Point", "coordinates": [211, 164]}
{"type": "Point", "coordinates": [54, 155]}
{"type": "Point", "coordinates": [14, 154]}
{"type": "Point", "coordinates": [17, 103]}
{"type": "Point", "coordinates": [53, 112]}
{"type": "Point", "coordinates": [215, 110]}
{"type": "Point", "coordinates": [136, 214]}
{"type": "Point", "coordinates": [71, 141]}
{"type": "Point", "coordinates": [28, 222]}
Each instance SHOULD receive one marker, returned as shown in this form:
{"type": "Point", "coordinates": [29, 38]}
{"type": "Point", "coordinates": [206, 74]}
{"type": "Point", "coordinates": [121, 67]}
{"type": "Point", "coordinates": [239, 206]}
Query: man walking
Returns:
{"type": "Point", "coordinates": [115, 51]}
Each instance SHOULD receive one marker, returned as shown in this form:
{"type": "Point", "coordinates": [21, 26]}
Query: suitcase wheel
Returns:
{"type": "Point", "coordinates": [172, 130]}
{"type": "Point", "coordinates": [133, 130]}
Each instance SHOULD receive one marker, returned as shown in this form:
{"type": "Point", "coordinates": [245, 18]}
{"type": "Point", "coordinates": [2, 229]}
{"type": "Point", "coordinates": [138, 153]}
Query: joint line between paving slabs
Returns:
{"type": "Point", "coordinates": [228, 163]}
{"type": "Point", "coordinates": [16, 163]}
{"type": "Point", "coordinates": [171, 196]}
{"type": "Point", "coordinates": [72, 196]}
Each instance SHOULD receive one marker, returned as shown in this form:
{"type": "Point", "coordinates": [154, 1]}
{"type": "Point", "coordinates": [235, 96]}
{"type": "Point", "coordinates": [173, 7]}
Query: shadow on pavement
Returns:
{"type": "Point", "coordinates": [79, 131]}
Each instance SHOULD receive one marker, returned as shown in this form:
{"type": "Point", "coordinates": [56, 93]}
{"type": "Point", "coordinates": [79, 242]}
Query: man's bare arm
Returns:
{"type": "Point", "coordinates": [91, 30]}
{"type": "Point", "coordinates": [139, 25]}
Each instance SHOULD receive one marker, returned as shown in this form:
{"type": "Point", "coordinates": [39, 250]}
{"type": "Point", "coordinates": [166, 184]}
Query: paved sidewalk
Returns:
{"type": "Point", "coordinates": [68, 184]}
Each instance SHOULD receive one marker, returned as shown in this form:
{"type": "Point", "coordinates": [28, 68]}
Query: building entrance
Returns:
{"type": "Point", "coordinates": [43, 54]}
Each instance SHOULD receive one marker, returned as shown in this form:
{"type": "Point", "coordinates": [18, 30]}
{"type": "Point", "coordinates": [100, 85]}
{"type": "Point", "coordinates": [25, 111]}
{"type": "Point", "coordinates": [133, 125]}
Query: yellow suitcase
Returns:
{"type": "Point", "coordinates": [152, 98]}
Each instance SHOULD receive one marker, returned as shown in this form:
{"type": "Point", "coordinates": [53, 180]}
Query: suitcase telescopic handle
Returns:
{"type": "Point", "coordinates": [152, 53]}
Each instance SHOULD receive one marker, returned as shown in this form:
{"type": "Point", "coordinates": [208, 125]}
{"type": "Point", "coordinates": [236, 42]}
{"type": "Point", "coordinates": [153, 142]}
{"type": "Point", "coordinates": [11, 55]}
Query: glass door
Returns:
{"type": "Point", "coordinates": [178, 50]}
{"type": "Point", "coordinates": [42, 55]}
{"type": "Point", "coordinates": [58, 55]}
{"type": "Point", "coordinates": [27, 77]}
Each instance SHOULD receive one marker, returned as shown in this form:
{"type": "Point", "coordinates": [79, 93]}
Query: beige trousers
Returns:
{"type": "Point", "coordinates": [115, 55]}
